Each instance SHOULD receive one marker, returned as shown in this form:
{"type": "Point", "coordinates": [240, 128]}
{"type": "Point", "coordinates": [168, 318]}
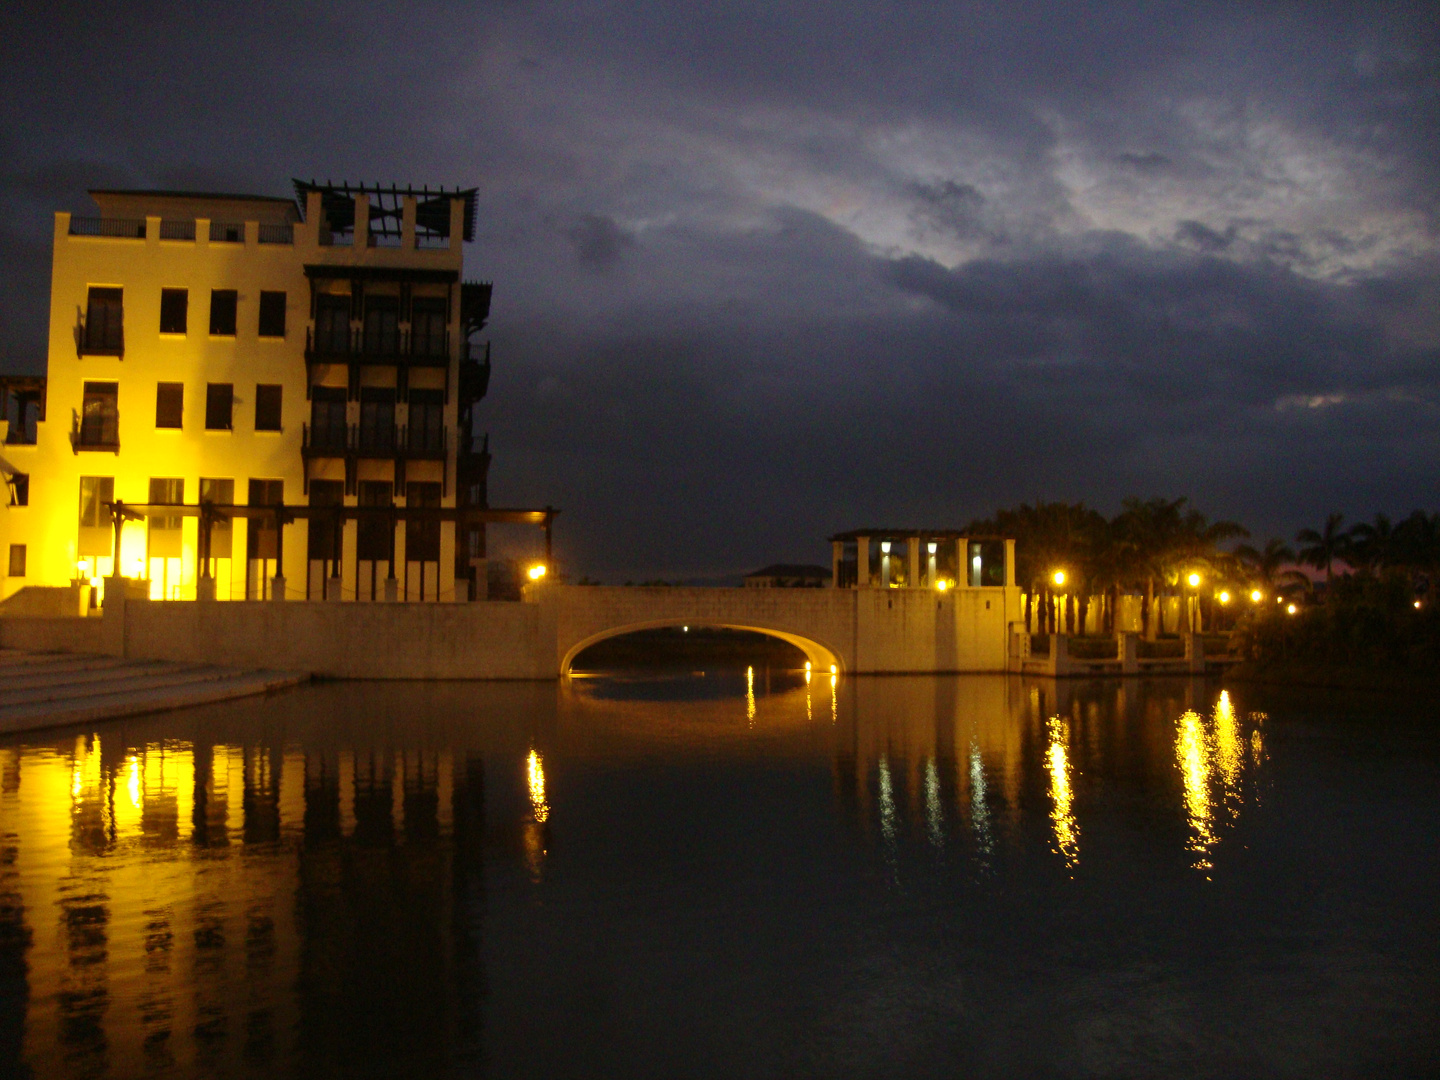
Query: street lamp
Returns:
{"type": "Point", "coordinates": [537, 572]}
{"type": "Point", "coordinates": [1224, 597]}
{"type": "Point", "coordinates": [1059, 577]}
{"type": "Point", "coordinates": [1194, 580]}
{"type": "Point", "coordinates": [1256, 596]}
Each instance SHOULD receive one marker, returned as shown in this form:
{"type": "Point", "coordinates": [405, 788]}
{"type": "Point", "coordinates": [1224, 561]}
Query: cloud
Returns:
{"type": "Point", "coordinates": [598, 241]}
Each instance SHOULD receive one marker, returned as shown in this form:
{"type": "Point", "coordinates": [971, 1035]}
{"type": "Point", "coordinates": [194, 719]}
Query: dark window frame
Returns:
{"type": "Point", "coordinates": [167, 408]}
{"type": "Point", "coordinates": [99, 426]}
{"type": "Point", "coordinates": [224, 312]}
{"type": "Point", "coordinates": [174, 311]}
{"type": "Point", "coordinates": [219, 397]}
{"type": "Point", "coordinates": [19, 484]}
{"type": "Point", "coordinates": [269, 406]}
{"type": "Point", "coordinates": [17, 549]}
{"type": "Point", "coordinates": [104, 332]}
{"type": "Point", "coordinates": [272, 314]}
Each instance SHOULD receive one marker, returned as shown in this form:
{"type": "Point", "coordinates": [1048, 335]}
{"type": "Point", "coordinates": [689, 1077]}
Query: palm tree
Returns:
{"type": "Point", "coordinates": [1374, 545]}
{"type": "Point", "coordinates": [1263, 567]}
{"type": "Point", "coordinates": [1322, 548]}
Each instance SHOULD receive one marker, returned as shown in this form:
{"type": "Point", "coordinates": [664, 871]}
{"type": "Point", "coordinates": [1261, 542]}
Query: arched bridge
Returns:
{"type": "Point", "coordinates": [855, 630]}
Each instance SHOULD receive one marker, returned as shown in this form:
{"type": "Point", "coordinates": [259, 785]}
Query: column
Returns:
{"type": "Point", "coordinates": [964, 576]}
{"type": "Point", "coordinates": [862, 561]}
{"type": "Point", "coordinates": [837, 557]}
{"type": "Point", "coordinates": [912, 569]}
{"type": "Point", "coordinates": [1009, 563]}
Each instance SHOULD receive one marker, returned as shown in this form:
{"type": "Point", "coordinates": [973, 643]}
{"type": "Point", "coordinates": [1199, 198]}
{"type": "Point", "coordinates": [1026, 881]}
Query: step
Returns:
{"type": "Point", "coordinates": [136, 702]}
{"type": "Point", "coordinates": [123, 682]}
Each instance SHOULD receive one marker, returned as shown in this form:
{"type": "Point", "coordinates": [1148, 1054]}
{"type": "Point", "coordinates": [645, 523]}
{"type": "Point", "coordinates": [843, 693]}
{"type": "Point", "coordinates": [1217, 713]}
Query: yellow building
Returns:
{"type": "Point", "coordinates": [254, 351]}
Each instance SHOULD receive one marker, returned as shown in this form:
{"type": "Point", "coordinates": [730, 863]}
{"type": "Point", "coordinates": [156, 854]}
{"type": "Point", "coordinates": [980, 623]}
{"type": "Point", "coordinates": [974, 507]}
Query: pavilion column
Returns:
{"type": "Point", "coordinates": [912, 570]}
{"type": "Point", "coordinates": [964, 574]}
{"type": "Point", "coordinates": [277, 586]}
{"type": "Point", "coordinates": [862, 561]}
{"type": "Point", "coordinates": [1009, 563]}
{"type": "Point", "coordinates": [837, 557]}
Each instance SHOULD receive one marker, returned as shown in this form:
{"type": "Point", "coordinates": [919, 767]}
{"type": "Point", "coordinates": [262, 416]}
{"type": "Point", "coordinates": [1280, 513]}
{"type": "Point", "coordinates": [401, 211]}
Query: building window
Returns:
{"type": "Point", "coordinates": [219, 405]}
{"type": "Point", "coordinates": [375, 536]}
{"type": "Point", "coordinates": [219, 492]}
{"type": "Point", "coordinates": [272, 314]}
{"type": "Point", "coordinates": [17, 560]}
{"type": "Point", "coordinates": [422, 535]}
{"type": "Point", "coordinates": [165, 529]}
{"type": "Point", "coordinates": [382, 325]}
{"type": "Point", "coordinates": [261, 540]}
{"type": "Point", "coordinates": [169, 404]}
{"type": "Point", "coordinates": [267, 408]}
{"type": "Point", "coordinates": [100, 416]}
{"type": "Point", "coordinates": [104, 322]}
{"type": "Point", "coordinates": [323, 540]}
{"type": "Point", "coordinates": [427, 422]}
{"type": "Point", "coordinates": [377, 419]}
{"type": "Point", "coordinates": [222, 312]}
{"type": "Point", "coordinates": [174, 310]}
{"type": "Point", "coordinates": [327, 419]}
{"type": "Point", "coordinates": [19, 489]}
{"type": "Point", "coordinates": [95, 493]}
{"type": "Point", "coordinates": [332, 324]}
{"type": "Point", "coordinates": [427, 327]}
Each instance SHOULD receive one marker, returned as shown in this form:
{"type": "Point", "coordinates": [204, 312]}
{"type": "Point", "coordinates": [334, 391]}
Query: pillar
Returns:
{"type": "Point", "coordinates": [862, 561]}
{"type": "Point", "coordinates": [837, 557]}
{"type": "Point", "coordinates": [964, 575]}
{"type": "Point", "coordinates": [912, 570]}
{"type": "Point", "coordinates": [1009, 563]}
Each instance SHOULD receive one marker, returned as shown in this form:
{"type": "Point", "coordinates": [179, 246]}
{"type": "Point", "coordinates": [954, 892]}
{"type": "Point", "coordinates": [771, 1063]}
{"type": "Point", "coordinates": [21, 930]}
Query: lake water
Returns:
{"type": "Point", "coordinates": [726, 875]}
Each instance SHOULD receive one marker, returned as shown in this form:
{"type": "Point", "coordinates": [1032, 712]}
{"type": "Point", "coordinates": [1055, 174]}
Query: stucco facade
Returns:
{"type": "Point", "coordinates": [223, 292]}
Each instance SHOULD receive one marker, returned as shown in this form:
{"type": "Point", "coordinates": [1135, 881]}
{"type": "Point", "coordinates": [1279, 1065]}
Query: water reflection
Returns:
{"type": "Point", "coordinates": [300, 885]}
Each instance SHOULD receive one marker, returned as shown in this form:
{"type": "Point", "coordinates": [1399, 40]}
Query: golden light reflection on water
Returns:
{"type": "Point", "coordinates": [1062, 812]}
{"type": "Point", "coordinates": [750, 696]}
{"type": "Point", "coordinates": [535, 773]}
{"type": "Point", "coordinates": [1192, 750]}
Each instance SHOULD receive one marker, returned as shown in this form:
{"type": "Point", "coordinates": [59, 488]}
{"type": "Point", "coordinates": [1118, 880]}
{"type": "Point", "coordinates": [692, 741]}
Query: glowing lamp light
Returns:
{"type": "Point", "coordinates": [884, 547]}
{"type": "Point", "coordinates": [1059, 577]}
{"type": "Point", "coordinates": [537, 572]}
{"type": "Point", "coordinates": [1256, 596]}
{"type": "Point", "coordinates": [1290, 608]}
{"type": "Point", "coordinates": [807, 665]}
{"type": "Point", "coordinates": [834, 670]}
{"type": "Point", "coordinates": [1417, 605]}
{"type": "Point", "coordinates": [942, 584]}
{"type": "Point", "coordinates": [80, 567]}
{"type": "Point", "coordinates": [1224, 598]}
{"type": "Point", "coordinates": [1194, 580]}
{"type": "Point", "coordinates": [932, 548]}
{"type": "Point", "coordinates": [975, 562]}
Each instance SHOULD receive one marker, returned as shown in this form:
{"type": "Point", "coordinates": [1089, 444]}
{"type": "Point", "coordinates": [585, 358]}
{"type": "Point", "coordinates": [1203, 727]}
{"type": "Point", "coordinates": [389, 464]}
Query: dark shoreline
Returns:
{"type": "Point", "coordinates": [1334, 677]}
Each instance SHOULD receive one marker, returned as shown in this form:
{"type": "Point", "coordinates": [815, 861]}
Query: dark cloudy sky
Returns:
{"type": "Point", "coordinates": [766, 270]}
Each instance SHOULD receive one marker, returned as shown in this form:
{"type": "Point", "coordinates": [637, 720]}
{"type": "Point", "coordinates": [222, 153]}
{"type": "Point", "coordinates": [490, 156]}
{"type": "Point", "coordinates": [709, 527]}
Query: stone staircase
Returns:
{"type": "Point", "coordinates": [39, 690]}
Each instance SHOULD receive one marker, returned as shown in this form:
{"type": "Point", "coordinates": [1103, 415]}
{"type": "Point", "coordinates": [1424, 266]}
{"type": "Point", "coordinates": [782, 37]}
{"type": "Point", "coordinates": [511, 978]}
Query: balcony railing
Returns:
{"type": "Point", "coordinates": [177, 230]}
{"type": "Point", "coordinates": [378, 346]}
{"type": "Point", "coordinates": [99, 433]}
{"type": "Point", "coordinates": [102, 341]}
{"type": "Point", "coordinates": [125, 228]}
{"type": "Point", "coordinates": [426, 442]}
{"type": "Point", "coordinates": [227, 232]}
{"type": "Point", "coordinates": [276, 234]}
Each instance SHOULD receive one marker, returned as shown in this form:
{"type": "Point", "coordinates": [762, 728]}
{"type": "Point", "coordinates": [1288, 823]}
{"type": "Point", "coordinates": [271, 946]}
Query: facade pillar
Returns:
{"type": "Point", "coordinates": [912, 569]}
{"type": "Point", "coordinates": [862, 562]}
{"type": "Point", "coordinates": [1010, 563]}
{"type": "Point", "coordinates": [837, 559]}
{"type": "Point", "coordinates": [964, 576]}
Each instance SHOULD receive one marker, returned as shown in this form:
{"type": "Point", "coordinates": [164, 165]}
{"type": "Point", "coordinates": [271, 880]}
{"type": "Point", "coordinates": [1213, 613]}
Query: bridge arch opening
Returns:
{"type": "Point", "coordinates": [820, 657]}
